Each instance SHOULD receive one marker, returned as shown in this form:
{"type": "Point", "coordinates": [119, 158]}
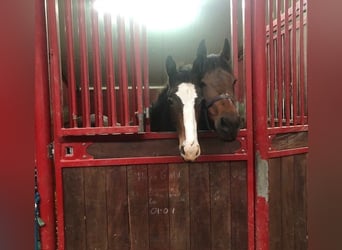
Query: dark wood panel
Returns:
{"type": "Point", "coordinates": [275, 226]}
{"type": "Point", "coordinates": [289, 141]}
{"type": "Point", "coordinates": [166, 147]}
{"type": "Point", "coordinates": [95, 207]}
{"type": "Point", "coordinates": [74, 213]}
{"type": "Point", "coordinates": [300, 213]}
{"type": "Point", "coordinates": [199, 207]}
{"type": "Point", "coordinates": [179, 206]}
{"type": "Point", "coordinates": [239, 216]}
{"type": "Point", "coordinates": [137, 183]}
{"type": "Point", "coordinates": [159, 209]}
{"type": "Point", "coordinates": [287, 202]}
{"type": "Point", "coordinates": [117, 208]}
{"type": "Point", "coordinates": [220, 205]}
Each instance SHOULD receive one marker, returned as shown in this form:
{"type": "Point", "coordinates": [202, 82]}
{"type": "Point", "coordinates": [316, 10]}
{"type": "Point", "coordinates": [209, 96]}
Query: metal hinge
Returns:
{"type": "Point", "coordinates": [51, 150]}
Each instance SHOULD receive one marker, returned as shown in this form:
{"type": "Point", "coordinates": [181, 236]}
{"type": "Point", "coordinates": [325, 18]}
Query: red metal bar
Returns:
{"type": "Point", "coordinates": [138, 76]}
{"type": "Point", "coordinates": [55, 73]}
{"type": "Point", "coordinates": [286, 152]}
{"type": "Point", "coordinates": [259, 76]}
{"type": "Point", "coordinates": [70, 65]}
{"type": "Point", "coordinates": [146, 99]}
{"type": "Point", "coordinates": [287, 129]}
{"type": "Point", "coordinates": [271, 65]}
{"type": "Point", "coordinates": [294, 62]}
{"type": "Point", "coordinates": [279, 66]}
{"type": "Point", "coordinates": [235, 44]}
{"type": "Point", "coordinates": [84, 64]}
{"type": "Point", "coordinates": [123, 84]}
{"type": "Point", "coordinates": [111, 98]}
{"type": "Point", "coordinates": [99, 130]}
{"type": "Point", "coordinates": [43, 131]}
{"type": "Point", "coordinates": [133, 96]}
{"type": "Point", "coordinates": [98, 100]}
{"type": "Point", "coordinates": [301, 61]}
{"type": "Point", "coordinates": [65, 163]}
{"type": "Point", "coordinates": [249, 124]}
{"type": "Point", "coordinates": [260, 108]}
{"type": "Point", "coordinates": [287, 63]}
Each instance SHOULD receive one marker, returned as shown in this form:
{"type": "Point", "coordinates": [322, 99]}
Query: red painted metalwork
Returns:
{"type": "Point", "coordinates": [98, 100]}
{"type": "Point", "coordinates": [71, 65]}
{"type": "Point", "coordinates": [260, 109]}
{"type": "Point", "coordinates": [235, 44]}
{"type": "Point", "coordinates": [271, 68]}
{"type": "Point", "coordinates": [43, 132]}
{"type": "Point", "coordinates": [279, 63]}
{"type": "Point", "coordinates": [249, 123]}
{"type": "Point", "coordinates": [287, 63]}
{"type": "Point", "coordinates": [111, 98]}
{"type": "Point", "coordinates": [123, 84]}
{"type": "Point", "coordinates": [84, 64]}
{"type": "Point", "coordinates": [301, 60]}
{"type": "Point", "coordinates": [145, 77]}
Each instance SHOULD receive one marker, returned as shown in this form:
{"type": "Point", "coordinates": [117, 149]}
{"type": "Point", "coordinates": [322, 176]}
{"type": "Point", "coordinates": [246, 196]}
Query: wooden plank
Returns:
{"type": "Point", "coordinates": [220, 206]}
{"type": "Point", "coordinates": [274, 180]}
{"type": "Point", "coordinates": [287, 202]}
{"type": "Point", "coordinates": [239, 215]}
{"type": "Point", "coordinates": [289, 140]}
{"type": "Point", "coordinates": [179, 206]}
{"type": "Point", "coordinates": [74, 213]}
{"type": "Point", "coordinates": [300, 213]}
{"type": "Point", "coordinates": [117, 208]}
{"type": "Point", "coordinates": [200, 236]}
{"type": "Point", "coordinates": [158, 176]}
{"type": "Point", "coordinates": [165, 147]}
{"type": "Point", "coordinates": [137, 185]}
{"type": "Point", "coordinates": [95, 207]}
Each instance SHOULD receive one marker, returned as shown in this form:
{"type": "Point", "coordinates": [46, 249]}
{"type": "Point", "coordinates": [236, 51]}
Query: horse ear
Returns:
{"type": "Point", "coordinates": [202, 50]}
{"type": "Point", "coordinates": [226, 54]}
{"type": "Point", "coordinates": [171, 67]}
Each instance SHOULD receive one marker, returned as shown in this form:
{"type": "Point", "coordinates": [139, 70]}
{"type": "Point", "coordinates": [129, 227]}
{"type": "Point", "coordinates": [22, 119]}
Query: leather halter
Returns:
{"type": "Point", "coordinates": [224, 96]}
{"type": "Point", "coordinates": [208, 104]}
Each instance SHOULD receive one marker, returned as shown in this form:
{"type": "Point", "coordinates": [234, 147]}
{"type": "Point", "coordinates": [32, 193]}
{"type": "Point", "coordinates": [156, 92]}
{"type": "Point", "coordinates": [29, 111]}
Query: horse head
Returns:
{"type": "Point", "coordinates": [214, 75]}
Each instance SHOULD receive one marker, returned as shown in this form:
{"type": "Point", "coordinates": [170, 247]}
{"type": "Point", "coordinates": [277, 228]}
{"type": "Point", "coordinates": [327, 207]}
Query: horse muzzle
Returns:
{"type": "Point", "coordinates": [190, 152]}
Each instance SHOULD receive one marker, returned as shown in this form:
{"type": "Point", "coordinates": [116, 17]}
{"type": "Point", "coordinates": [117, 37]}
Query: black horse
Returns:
{"type": "Point", "coordinates": [214, 75]}
{"type": "Point", "coordinates": [177, 109]}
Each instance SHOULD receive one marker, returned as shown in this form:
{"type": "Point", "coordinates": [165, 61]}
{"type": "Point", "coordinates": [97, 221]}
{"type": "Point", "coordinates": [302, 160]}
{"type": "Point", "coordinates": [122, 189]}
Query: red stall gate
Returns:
{"type": "Point", "coordinates": [281, 130]}
{"type": "Point", "coordinates": [114, 190]}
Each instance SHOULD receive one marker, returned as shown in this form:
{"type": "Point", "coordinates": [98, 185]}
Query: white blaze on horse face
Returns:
{"type": "Point", "coordinates": [187, 93]}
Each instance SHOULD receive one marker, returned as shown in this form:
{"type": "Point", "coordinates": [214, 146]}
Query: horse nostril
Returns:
{"type": "Point", "coordinates": [197, 153]}
{"type": "Point", "coordinates": [182, 150]}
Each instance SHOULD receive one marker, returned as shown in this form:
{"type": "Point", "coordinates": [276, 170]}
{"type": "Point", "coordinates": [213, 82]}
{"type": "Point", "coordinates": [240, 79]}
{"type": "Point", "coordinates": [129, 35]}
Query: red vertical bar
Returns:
{"type": "Point", "coordinates": [301, 61]}
{"type": "Point", "coordinates": [146, 99]}
{"type": "Point", "coordinates": [294, 61]}
{"type": "Point", "coordinates": [70, 64]}
{"type": "Point", "coordinates": [111, 99]}
{"type": "Point", "coordinates": [287, 62]}
{"type": "Point", "coordinates": [98, 104]}
{"type": "Point", "coordinates": [134, 76]}
{"type": "Point", "coordinates": [249, 124]}
{"type": "Point", "coordinates": [138, 76]}
{"type": "Point", "coordinates": [271, 64]}
{"type": "Point", "coordinates": [260, 109]}
{"type": "Point", "coordinates": [84, 65]}
{"type": "Point", "coordinates": [123, 84]}
{"type": "Point", "coordinates": [235, 44]}
{"type": "Point", "coordinates": [55, 79]}
{"type": "Point", "coordinates": [42, 131]}
{"type": "Point", "coordinates": [279, 66]}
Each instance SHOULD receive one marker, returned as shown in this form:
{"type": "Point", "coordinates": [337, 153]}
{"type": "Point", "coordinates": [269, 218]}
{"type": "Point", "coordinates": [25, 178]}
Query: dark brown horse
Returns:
{"type": "Point", "coordinates": [177, 109]}
{"type": "Point", "coordinates": [213, 73]}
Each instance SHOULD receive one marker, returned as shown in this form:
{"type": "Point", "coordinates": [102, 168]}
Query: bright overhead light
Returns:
{"type": "Point", "coordinates": [155, 14]}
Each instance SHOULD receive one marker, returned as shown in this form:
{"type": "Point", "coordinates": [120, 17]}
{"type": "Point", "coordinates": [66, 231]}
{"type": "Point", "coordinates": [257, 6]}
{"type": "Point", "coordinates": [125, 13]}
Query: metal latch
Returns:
{"type": "Point", "coordinates": [51, 150]}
